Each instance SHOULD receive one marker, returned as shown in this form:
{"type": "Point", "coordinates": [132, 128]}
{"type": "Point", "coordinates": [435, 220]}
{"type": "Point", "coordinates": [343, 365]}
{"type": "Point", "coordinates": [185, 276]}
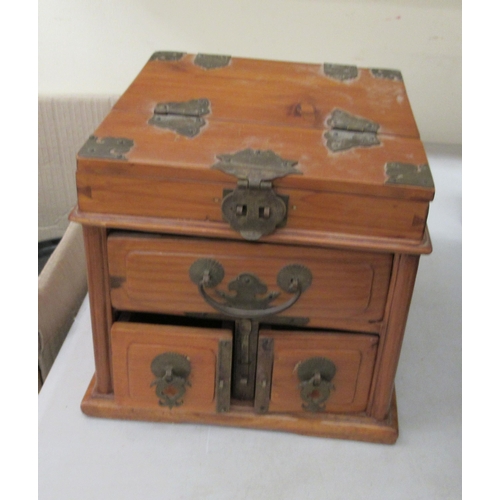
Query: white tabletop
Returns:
{"type": "Point", "coordinates": [87, 458]}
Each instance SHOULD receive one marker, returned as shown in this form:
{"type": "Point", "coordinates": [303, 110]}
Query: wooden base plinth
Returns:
{"type": "Point", "coordinates": [356, 427]}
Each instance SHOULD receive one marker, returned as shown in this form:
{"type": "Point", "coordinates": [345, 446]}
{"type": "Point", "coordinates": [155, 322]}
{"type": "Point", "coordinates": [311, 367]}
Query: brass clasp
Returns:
{"type": "Point", "coordinates": [253, 208]}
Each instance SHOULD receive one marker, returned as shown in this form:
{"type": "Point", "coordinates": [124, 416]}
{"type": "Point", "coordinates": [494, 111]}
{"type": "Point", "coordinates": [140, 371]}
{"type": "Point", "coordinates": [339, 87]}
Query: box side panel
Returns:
{"type": "Point", "coordinates": [328, 212]}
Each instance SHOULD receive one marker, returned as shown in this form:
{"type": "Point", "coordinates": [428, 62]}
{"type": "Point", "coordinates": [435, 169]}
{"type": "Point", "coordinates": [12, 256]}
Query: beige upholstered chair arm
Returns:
{"type": "Point", "coordinates": [62, 286]}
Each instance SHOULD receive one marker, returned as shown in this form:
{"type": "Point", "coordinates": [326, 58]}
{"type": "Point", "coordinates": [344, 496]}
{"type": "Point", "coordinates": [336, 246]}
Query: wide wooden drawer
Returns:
{"type": "Point", "coordinates": [154, 274]}
{"type": "Point", "coordinates": [175, 367]}
{"type": "Point", "coordinates": [317, 372]}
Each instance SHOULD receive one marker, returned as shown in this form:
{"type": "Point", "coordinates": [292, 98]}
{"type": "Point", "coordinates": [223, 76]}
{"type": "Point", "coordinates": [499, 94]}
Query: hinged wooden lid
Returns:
{"type": "Point", "coordinates": [344, 129]}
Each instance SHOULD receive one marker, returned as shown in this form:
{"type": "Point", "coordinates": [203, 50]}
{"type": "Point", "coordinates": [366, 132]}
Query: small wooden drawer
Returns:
{"type": "Point", "coordinates": [154, 274]}
{"type": "Point", "coordinates": [319, 372]}
{"type": "Point", "coordinates": [186, 369]}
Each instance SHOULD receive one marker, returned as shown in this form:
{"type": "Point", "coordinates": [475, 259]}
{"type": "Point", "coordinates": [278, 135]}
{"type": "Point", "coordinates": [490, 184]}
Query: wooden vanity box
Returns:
{"type": "Point", "coordinates": [253, 231]}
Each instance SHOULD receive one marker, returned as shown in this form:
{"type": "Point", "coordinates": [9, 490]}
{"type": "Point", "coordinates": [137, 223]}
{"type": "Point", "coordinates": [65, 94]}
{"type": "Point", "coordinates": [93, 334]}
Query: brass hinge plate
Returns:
{"type": "Point", "coordinates": [184, 118]}
{"type": "Point", "coordinates": [167, 56]}
{"type": "Point", "coordinates": [348, 131]}
{"type": "Point", "coordinates": [387, 74]}
{"type": "Point", "coordinates": [341, 140]}
{"type": "Point", "coordinates": [211, 61]}
{"type": "Point", "coordinates": [340, 72]}
{"type": "Point", "coordinates": [341, 120]}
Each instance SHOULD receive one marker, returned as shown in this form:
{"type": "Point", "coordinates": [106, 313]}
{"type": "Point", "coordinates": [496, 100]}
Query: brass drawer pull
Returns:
{"type": "Point", "coordinates": [171, 371]}
{"type": "Point", "coordinates": [247, 297]}
{"type": "Point", "coordinates": [316, 375]}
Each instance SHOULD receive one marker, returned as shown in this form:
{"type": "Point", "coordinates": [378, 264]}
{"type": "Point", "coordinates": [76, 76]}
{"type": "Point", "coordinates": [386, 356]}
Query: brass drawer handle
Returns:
{"type": "Point", "coordinates": [171, 371]}
{"type": "Point", "coordinates": [316, 375]}
{"type": "Point", "coordinates": [248, 297]}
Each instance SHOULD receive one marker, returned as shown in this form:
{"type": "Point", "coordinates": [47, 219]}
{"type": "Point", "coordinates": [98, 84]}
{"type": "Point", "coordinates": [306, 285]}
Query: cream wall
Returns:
{"type": "Point", "coordinates": [98, 46]}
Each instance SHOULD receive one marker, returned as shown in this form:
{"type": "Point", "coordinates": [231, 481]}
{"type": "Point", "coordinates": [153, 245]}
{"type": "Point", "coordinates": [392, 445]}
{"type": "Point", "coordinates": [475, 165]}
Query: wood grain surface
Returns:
{"type": "Point", "coordinates": [283, 107]}
{"type": "Point", "coordinates": [152, 274]}
{"type": "Point", "coordinates": [328, 212]}
{"type": "Point", "coordinates": [163, 153]}
{"type": "Point", "coordinates": [352, 355]}
{"type": "Point", "coordinates": [221, 230]}
{"type": "Point", "coordinates": [357, 427]}
{"type": "Point", "coordinates": [283, 94]}
{"type": "Point", "coordinates": [398, 307]}
{"type": "Point", "coordinates": [135, 346]}
{"type": "Point", "coordinates": [95, 241]}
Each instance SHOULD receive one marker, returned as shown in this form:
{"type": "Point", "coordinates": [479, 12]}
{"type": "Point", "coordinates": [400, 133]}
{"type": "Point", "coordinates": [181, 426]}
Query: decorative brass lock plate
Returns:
{"type": "Point", "coordinates": [254, 212]}
{"type": "Point", "coordinates": [316, 375]}
{"type": "Point", "coordinates": [253, 208]}
{"type": "Point", "coordinates": [171, 371]}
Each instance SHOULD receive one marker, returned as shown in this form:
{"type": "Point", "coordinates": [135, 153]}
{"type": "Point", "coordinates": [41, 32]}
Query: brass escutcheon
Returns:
{"type": "Point", "coordinates": [171, 371]}
{"type": "Point", "coordinates": [315, 375]}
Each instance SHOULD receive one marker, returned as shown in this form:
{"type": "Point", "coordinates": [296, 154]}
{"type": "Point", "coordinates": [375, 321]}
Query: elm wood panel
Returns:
{"type": "Point", "coordinates": [152, 274]}
{"type": "Point", "coordinates": [220, 230]}
{"type": "Point", "coordinates": [362, 169]}
{"type": "Point", "coordinates": [283, 94]}
{"type": "Point", "coordinates": [353, 356]}
{"type": "Point", "coordinates": [398, 306]}
{"type": "Point", "coordinates": [161, 171]}
{"type": "Point", "coordinates": [357, 427]}
{"type": "Point", "coordinates": [149, 197]}
{"type": "Point", "coordinates": [308, 210]}
{"type": "Point", "coordinates": [136, 345]}
{"type": "Point", "coordinates": [100, 307]}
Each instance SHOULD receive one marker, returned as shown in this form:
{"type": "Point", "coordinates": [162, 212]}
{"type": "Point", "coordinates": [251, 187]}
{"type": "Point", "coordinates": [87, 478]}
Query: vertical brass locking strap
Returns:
{"type": "Point", "coordinates": [247, 301]}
